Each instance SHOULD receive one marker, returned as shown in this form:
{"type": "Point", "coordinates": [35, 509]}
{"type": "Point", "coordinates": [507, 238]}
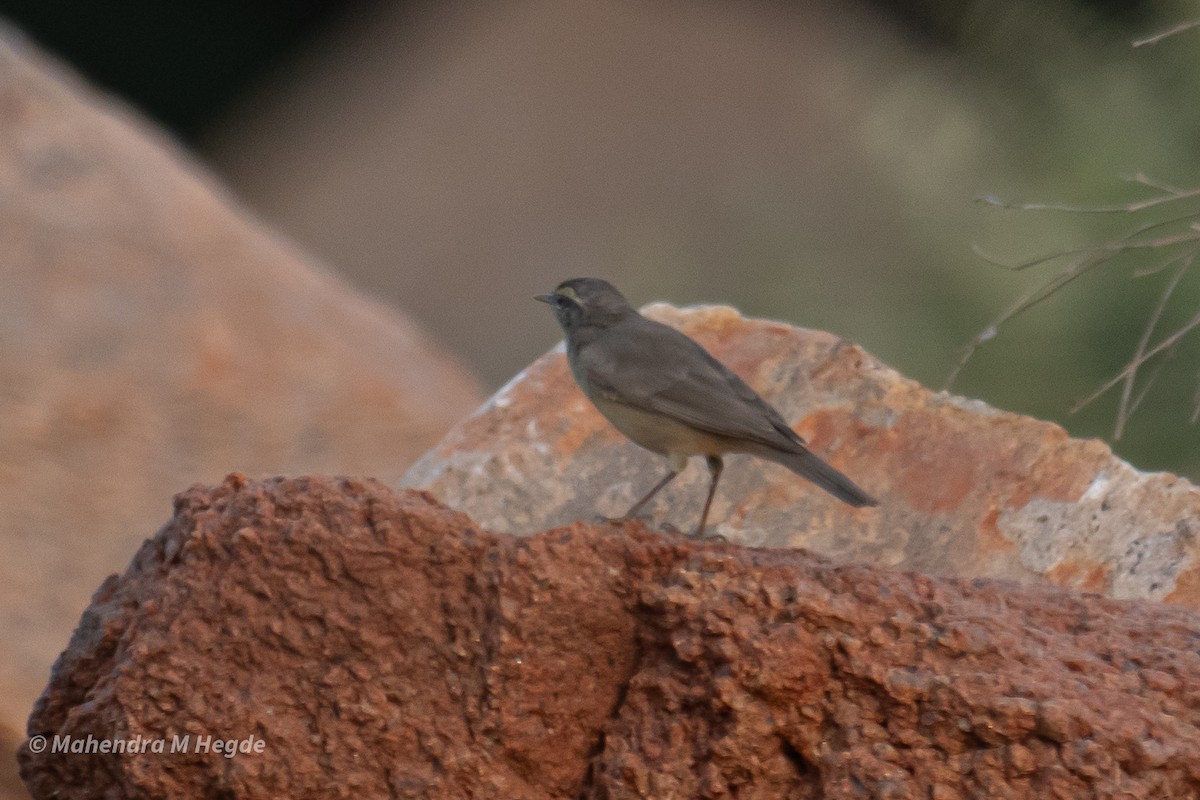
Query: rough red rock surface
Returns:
{"type": "Point", "coordinates": [382, 645]}
{"type": "Point", "coordinates": [965, 489]}
{"type": "Point", "coordinates": [153, 335]}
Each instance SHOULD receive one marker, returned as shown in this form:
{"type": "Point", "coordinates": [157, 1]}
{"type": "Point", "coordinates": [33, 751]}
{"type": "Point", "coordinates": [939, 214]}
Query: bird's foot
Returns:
{"type": "Point", "coordinates": [667, 527]}
{"type": "Point", "coordinates": [700, 536]}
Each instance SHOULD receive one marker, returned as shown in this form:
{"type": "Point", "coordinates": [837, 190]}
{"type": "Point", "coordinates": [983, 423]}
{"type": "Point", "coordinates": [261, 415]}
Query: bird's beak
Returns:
{"type": "Point", "coordinates": [546, 298]}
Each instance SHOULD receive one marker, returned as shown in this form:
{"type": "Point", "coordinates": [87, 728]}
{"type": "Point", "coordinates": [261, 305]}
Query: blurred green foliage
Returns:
{"type": "Point", "coordinates": [1111, 111]}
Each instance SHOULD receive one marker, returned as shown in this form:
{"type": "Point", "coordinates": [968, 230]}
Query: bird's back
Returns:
{"type": "Point", "coordinates": [653, 367]}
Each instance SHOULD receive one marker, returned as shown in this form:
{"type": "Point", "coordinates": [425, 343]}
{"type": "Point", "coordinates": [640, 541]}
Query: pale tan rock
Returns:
{"type": "Point", "coordinates": [153, 336]}
{"type": "Point", "coordinates": [965, 489]}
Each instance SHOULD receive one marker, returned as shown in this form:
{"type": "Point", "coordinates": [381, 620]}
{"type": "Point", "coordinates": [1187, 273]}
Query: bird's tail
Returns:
{"type": "Point", "coordinates": [807, 465]}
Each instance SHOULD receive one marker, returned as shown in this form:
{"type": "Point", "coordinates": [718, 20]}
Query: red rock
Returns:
{"type": "Point", "coordinates": [153, 335]}
{"type": "Point", "coordinates": [965, 489]}
{"type": "Point", "coordinates": [380, 644]}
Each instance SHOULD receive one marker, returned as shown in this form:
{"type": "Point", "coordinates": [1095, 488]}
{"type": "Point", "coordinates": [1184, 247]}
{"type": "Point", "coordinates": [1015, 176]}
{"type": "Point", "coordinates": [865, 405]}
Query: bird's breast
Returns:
{"type": "Point", "coordinates": [659, 433]}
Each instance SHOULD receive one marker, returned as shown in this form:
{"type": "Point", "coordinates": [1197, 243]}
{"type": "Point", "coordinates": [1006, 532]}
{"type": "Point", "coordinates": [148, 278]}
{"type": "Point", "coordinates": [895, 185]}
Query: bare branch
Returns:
{"type": "Point", "coordinates": [1028, 301]}
{"type": "Point", "coordinates": [1137, 401]}
{"type": "Point", "coordinates": [1177, 240]}
{"type": "Point", "coordinates": [1195, 402]}
{"type": "Point", "coordinates": [1113, 246]}
{"type": "Point", "coordinates": [1033, 262]}
{"type": "Point", "coordinates": [1136, 363]}
{"type": "Point", "coordinates": [1158, 37]}
{"type": "Point", "coordinates": [1124, 407]}
{"type": "Point", "coordinates": [1168, 196]}
{"type": "Point", "coordinates": [1096, 256]}
{"type": "Point", "coordinates": [1143, 179]}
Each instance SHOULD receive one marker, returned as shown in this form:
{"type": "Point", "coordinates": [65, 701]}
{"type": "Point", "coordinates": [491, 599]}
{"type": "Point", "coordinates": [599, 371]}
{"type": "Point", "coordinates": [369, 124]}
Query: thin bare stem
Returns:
{"type": "Point", "coordinates": [1113, 246]}
{"type": "Point", "coordinates": [1126, 208]}
{"type": "Point", "coordinates": [1158, 37]}
{"type": "Point", "coordinates": [1162, 223]}
{"type": "Point", "coordinates": [1176, 239]}
{"type": "Point", "coordinates": [1124, 409]}
{"type": "Point", "coordinates": [1033, 262]}
{"type": "Point", "coordinates": [1137, 401]}
{"type": "Point", "coordinates": [1026, 302]}
{"type": "Point", "coordinates": [1135, 364]}
{"type": "Point", "coordinates": [1097, 256]}
{"type": "Point", "coordinates": [1143, 179]}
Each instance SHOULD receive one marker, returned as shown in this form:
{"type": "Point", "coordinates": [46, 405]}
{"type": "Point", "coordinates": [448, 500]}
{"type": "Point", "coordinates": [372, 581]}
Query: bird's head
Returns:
{"type": "Point", "coordinates": [579, 302]}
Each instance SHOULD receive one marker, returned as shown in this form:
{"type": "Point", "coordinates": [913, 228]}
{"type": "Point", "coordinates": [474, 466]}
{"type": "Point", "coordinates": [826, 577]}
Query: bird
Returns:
{"type": "Point", "coordinates": [662, 390]}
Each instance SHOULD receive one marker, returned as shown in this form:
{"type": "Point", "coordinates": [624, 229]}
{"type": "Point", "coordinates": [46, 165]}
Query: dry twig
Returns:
{"type": "Point", "coordinates": [1176, 237]}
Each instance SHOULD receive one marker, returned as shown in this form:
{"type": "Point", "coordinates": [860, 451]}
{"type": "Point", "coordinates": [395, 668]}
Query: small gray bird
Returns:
{"type": "Point", "coordinates": [666, 393]}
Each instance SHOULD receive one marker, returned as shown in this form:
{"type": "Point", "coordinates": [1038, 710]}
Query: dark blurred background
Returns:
{"type": "Point", "coordinates": [816, 162]}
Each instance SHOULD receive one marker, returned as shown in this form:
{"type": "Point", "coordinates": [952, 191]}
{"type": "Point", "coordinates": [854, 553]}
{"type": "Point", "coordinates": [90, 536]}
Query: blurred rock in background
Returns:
{"type": "Point", "coordinates": [813, 161]}
{"type": "Point", "coordinates": [152, 336]}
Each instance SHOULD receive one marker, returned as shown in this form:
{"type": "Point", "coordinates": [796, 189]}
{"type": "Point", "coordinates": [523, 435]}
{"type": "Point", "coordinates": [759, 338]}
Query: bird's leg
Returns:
{"type": "Point", "coordinates": [636, 507]}
{"type": "Point", "coordinates": [715, 465]}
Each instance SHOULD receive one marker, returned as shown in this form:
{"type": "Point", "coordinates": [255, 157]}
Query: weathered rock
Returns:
{"type": "Point", "coordinates": [379, 644]}
{"type": "Point", "coordinates": [152, 336]}
{"type": "Point", "coordinates": [966, 489]}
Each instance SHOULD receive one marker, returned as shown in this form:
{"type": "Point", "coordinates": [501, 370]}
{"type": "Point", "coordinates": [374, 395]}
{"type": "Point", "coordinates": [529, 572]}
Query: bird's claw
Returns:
{"type": "Point", "coordinates": [700, 536]}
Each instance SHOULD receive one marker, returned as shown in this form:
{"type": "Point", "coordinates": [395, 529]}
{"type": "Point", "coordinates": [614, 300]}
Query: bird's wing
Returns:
{"type": "Point", "coordinates": [655, 368]}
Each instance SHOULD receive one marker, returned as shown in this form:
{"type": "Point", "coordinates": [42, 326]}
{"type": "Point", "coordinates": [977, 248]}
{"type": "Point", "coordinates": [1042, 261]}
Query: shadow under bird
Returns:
{"type": "Point", "coordinates": [666, 393]}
